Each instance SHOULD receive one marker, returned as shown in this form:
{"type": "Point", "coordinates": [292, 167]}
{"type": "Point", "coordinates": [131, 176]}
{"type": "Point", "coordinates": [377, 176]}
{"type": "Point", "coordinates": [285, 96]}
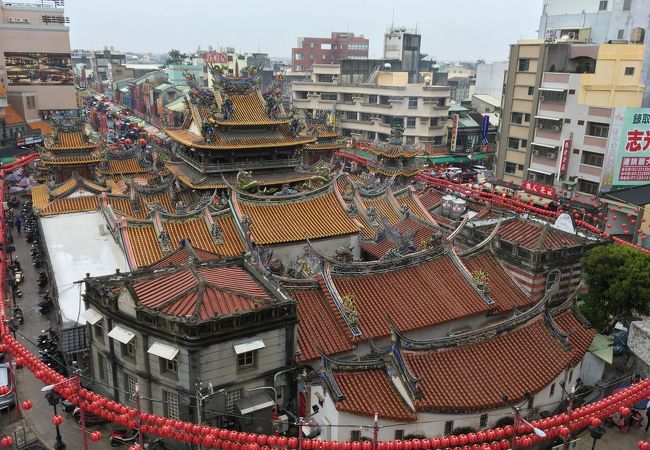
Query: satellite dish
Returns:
{"type": "Point", "coordinates": [387, 66]}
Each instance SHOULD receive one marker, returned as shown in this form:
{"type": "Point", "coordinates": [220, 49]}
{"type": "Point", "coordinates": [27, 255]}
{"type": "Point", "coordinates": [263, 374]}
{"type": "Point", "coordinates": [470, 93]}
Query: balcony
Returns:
{"type": "Point", "coordinates": [244, 165]}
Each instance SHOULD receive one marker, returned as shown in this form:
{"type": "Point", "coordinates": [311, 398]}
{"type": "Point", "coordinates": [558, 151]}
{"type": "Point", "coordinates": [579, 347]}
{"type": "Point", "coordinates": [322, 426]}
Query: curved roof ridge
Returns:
{"type": "Point", "coordinates": [300, 196]}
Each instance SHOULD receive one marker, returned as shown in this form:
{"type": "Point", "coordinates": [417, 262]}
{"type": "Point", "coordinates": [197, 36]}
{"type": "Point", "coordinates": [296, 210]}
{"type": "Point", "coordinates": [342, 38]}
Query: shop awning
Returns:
{"type": "Point", "coordinates": [539, 171]}
{"type": "Point", "coordinates": [121, 334]}
{"type": "Point", "coordinates": [545, 145]}
{"type": "Point", "coordinates": [442, 159]}
{"type": "Point", "coordinates": [548, 118]}
{"type": "Point", "coordinates": [248, 346]}
{"type": "Point", "coordinates": [254, 403]}
{"type": "Point", "coordinates": [163, 350]}
{"type": "Point", "coordinates": [92, 316]}
{"type": "Point", "coordinates": [551, 89]}
{"type": "Point", "coordinates": [603, 347]}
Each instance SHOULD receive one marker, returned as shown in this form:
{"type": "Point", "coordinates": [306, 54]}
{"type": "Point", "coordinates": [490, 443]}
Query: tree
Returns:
{"type": "Point", "coordinates": [618, 280]}
{"type": "Point", "coordinates": [175, 57]}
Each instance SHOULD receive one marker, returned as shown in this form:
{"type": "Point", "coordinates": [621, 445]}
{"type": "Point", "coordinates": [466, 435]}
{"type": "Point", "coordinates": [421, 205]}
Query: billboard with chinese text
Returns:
{"type": "Point", "coordinates": [627, 162]}
{"type": "Point", "coordinates": [25, 68]}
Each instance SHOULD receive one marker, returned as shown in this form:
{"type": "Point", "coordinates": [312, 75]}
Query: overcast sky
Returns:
{"type": "Point", "coordinates": [451, 30]}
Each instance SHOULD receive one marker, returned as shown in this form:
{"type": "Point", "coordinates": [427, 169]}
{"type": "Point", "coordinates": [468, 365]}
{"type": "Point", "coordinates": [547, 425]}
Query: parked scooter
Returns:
{"type": "Point", "coordinates": [42, 279]}
{"type": "Point", "coordinates": [18, 316]}
{"type": "Point", "coordinates": [121, 436]}
{"type": "Point", "coordinates": [45, 304]}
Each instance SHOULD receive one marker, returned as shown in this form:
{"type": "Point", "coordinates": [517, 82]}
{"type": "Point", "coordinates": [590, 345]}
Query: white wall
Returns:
{"type": "Point", "coordinates": [489, 78]}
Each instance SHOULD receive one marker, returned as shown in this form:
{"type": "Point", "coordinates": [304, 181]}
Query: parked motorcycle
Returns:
{"type": "Point", "coordinates": [45, 304]}
{"type": "Point", "coordinates": [121, 436]}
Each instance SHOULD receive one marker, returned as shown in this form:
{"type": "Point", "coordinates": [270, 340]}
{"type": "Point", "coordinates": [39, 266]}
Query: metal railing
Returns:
{"type": "Point", "coordinates": [246, 165]}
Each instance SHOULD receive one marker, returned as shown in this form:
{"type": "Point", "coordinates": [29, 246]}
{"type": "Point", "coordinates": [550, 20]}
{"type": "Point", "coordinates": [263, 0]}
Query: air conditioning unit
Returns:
{"type": "Point", "coordinates": [556, 128]}
{"type": "Point", "coordinates": [552, 155]}
{"type": "Point", "coordinates": [19, 20]}
{"type": "Point", "coordinates": [536, 152]}
{"type": "Point", "coordinates": [26, 21]}
{"type": "Point", "coordinates": [539, 126]}
{"type": "Point", "coordinates": [573, 35]}
{"type": "Point", "coordinates": [567, 195]}
{"type": "Point", "coordinates": [542, 98]}
{"type": "Point", "coordinates": [12, 20]}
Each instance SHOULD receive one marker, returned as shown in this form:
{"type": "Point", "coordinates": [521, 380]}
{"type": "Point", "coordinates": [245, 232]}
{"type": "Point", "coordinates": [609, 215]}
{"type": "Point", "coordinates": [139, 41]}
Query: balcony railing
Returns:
{"type": "Point", "coordinates": [244, 165]}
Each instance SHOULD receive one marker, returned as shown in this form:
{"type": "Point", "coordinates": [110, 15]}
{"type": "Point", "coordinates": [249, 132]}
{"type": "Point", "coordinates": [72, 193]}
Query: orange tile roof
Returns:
{"type": "Point", "coordinates": [45, 128]}
{"type": "Point", "coordinates": [413, 297]}
{"type": "Point", "coordinates": [144, 244]}
{"type": "Point", "coordinates": [393, 151]}
{"type": "Point", "coordinates": [320, 325]}
{"type": "Point", "coordinates": [64, 187]}
{"type": "Point", "coordinates": [323, 146]}
{"type": "Point", "coordinates": [296, 220]}
{"type": "Point", "coordinates": [367, 230]}
{"type": "Point", "coordinates": [123, 166]}
{"type": "Point", "coordinates": [54, 160]}
{"type": "Point", "coordinates": [502, 289]}
{"type": "Point", "coordinates": [196, 230]}
{"type": "Point", "coordinates": [70, 205]}
{"type": "Point", "coordinates": [40, 196]}
{"type": "Point", "coordinates": [281, 137]}
{"type": "Point", "coordinates": [422, 233]}
{"type": "Point", "coordinates": [162, 198]}
{"type": "Point", "coordinates": [122, 207]}
{"type": "Point", "coordinates": [474, 377]}
{"type": "Point", "coordinates": [384, 208]}
{"type": "Point", "coordinates": [392, 171]}
{"type": "Point", "coordinates": [249, 109]}
{"type": "Point", "coordinates": [11, 116]}
{"type": "Point", "coordinates": [367, 392]}
{"type": "Point", "coordinates": [406, 198]}
{"type": "Point", "coordinates": [70, 141]}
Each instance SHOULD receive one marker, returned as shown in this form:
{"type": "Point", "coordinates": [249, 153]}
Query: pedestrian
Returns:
{"type": "Point", "coordinates": [18, 223]}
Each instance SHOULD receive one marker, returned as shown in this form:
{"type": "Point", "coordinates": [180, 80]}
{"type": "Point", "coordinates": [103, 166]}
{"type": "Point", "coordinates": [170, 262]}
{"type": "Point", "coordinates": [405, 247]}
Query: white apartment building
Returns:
{"type": "Point", "coordinates": [366, 111]}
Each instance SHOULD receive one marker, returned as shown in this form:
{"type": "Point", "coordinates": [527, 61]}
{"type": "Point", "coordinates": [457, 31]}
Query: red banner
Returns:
{"type": "Point", "coordinates": [539, 188]}
{"type": "Point", "coordinates": [564, 161]}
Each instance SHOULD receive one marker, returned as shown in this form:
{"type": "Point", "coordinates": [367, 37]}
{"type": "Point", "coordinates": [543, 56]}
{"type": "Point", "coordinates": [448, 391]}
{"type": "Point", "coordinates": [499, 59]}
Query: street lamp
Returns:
{"type": "Point", "coordinates": [516, 409]}
{"type": "Point", "coordinates": [53, 399]}
{"type": "Point", "coordinates": [77, 381]}
{"type": "Point", "coordinates": [571, 396]}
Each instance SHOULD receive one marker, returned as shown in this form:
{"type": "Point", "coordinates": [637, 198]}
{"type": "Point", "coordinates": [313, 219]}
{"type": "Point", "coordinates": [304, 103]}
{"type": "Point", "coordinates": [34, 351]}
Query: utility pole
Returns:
{"type": "Point", "coordinates": [375, 432]}
{"type": "Point", "coordinates": [137, 407]}
{"type": "Point", "coordinates": [570, 397]}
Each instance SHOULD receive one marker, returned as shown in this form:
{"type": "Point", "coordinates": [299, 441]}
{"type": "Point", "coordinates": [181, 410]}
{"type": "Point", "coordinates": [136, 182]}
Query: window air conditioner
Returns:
{"type": "Point", "coordinates": [539, 126]}
{"type": "Point", "coordinates": [567, 194]}
{"type": "Point", "coordinates": [542, 98]}
{"type": "Point", "coordinates": [556, 128]}
{"type": "Point", "coordinates": [26, 21]}
{"type": "Point", "coordinates": [12, 20]}
{"type": "Point", "coordinates": [552, 155]}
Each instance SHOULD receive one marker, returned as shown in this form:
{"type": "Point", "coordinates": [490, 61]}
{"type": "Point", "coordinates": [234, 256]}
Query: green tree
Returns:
{"type": "Point", "coordinates": [618, 280]}
{"type": "Point", "coordinates": [176, 57]}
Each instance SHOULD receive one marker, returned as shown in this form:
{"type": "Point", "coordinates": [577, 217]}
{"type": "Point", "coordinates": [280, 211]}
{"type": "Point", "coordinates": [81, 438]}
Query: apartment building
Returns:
{"type": "Point", "coordinates": [599, 22]}
{"type": "Point", "coordinates": [558, 105]}
{"type": "Point", "coordinates": [366, 111]}
{"type": "Point", "coordinates": [331, 50]}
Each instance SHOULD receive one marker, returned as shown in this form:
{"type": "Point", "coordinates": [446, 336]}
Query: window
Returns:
{"type": "Point", "coordinates": [384, 100]}
{"type": "Point", "coordinates": [433, 122]}
{"type": "Point", "coordinates": [449, 427]}
{"type": "Point", "coordinates": [524, 65]}
{"type": "Point", "coordinates": [129, 349]}
{"type": "Point", "coordinates": [523, 143]}
{"type": "Point", "coordinates": [372, 135]}
{"type": "Point", "coordinates": [629, 71]}
{"type": "Point", "coordinates": [592, 159]}
{"type": "Point", "coordinates": [511, 167]}
{"type": "Point", "coordinates": [413, 102]}
{"type": "Point", "coordinates": [129, 384]}
{"type": "Point", "coordinates": [298, 56]}
{"type": "Point", "coordinates": [31, 102]}
{"type": "Point", "coordinates": [549, 124]}
{"type": "Point", "coordinates": [399, 435]}
{"type": "Point", "coordinates": [98, 331]}
{"type": "Point", "coordinates": [299, 68]}
{"type": "Point", "coordinates": [372, 99]}
{"type": "Point", "coordinates": [526, 118]}
{"type": "Point", "coordinates": [171, 407]}
{"type": "Point", "coordinates": [553, 97]}
{"type": "Point", "coordinates": [620, 34]}
{"type": "Point", "coordinates": [517, 118]}
{"type": "Point", "coordinates": [588, 187]}
{"type": "Point", "coordinates": [531, 90]}
{"type": "Point", "coordinates": [347, 97]}
{"type": "Point", "coordinates": [513, 143]}
{"type": "Point", "coordinates": [246, 360]}
{"type": "Point", "coordinates": [410, 139]}
{"type": "Point", "coordinates": [323, 56]}
{"type": "Point", "coordinates": [355, 435]}
{"type": "Point", "coordinates": [627, 5]}
{"type": "Point", "coordinates": [410, 122]}
{"type": "Point", "coordinates": [351, 115]}
{"type": "Point", "coordinates": [551, 278]}
{"type": "Point", "coordinates": [552, 391]}
{"type": "Point", "coordinates": [102, 367]}
{"type": "Point", "coordinates": [169, 366]}
{"type": "Point", "coordinates": [602, 6]}
{"type": "Point", "coordinates": [366, 117]}
{"type": "Point", "coordinates": [597, 129]}
{"type": "Point", "coordinates": [231, 400]}
{"type": "Point", "coordinates": [483, 421]}
{"type": "Point", "coordinates": [328, 96]}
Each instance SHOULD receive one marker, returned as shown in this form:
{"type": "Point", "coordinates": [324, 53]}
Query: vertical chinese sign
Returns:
{"type": "Point", "coordinates": [632, 165]}
{"type": "Point", "coordinates": [454, 133]}
{"type": "Point", "coordinates": [484, 133]}
{"type": "Point", "coordinates": [564, 160]}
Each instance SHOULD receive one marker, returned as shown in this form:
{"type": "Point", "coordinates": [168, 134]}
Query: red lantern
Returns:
{"type": "Point", "coordinates": [134, 447]}
{"type": "Point", "coordinates": [57, 420]}
{"type": "Point", "coordinates": [27, 405]}
{"type": "Point", "coordinates": [643, 445]}
{"type": "Point", "coordinates": [95, 436]}
{"type": "Point", "coordinates": [595, 422]}
{"type": "Point", "coordinates": [293, 443]}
